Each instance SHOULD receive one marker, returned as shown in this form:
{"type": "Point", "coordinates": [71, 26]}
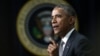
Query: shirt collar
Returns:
{"type": "Point", "coordinates": [64, 39]}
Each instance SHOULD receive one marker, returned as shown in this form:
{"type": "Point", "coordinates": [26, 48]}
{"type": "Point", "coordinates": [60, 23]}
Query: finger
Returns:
{"type": "Point", "coordinates": [48, 50]}
{"type": "Point", "coordinates": [51, 46]}
{"type": "Point", "coordinates": [53, 42]}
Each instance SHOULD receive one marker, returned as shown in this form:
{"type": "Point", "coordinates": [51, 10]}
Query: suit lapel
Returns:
{"type": "Point", "coordinates": [68, 44]}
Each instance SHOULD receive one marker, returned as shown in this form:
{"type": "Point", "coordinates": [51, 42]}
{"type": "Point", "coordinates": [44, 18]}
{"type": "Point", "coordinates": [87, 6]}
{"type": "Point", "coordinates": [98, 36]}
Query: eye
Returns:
{"type": "Point", "coordinates": [59, 16]}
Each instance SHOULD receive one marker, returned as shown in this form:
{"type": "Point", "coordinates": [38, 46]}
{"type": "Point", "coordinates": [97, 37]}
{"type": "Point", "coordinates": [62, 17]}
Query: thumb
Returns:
{"type": "Point", "coordinates": [52, 41]}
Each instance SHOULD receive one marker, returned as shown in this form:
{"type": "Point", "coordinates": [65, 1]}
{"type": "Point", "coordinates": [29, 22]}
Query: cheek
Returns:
{"type": "Point", "coordinates": [64, 24]}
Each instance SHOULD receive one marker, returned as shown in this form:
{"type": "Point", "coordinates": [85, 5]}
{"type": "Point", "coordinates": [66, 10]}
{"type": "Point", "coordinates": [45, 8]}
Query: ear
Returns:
{"type": "Point", "coordinates": [72, 20]}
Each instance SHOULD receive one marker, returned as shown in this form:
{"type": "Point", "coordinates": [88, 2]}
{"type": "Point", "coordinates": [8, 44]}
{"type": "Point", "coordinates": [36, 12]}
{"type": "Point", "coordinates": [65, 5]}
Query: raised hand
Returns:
{"type": "Point", "coordinates": [53, 48]}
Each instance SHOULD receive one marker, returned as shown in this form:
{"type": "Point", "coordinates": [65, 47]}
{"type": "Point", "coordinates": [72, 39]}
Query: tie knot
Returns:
{"type": "Point", "coordinates": [62, 42]}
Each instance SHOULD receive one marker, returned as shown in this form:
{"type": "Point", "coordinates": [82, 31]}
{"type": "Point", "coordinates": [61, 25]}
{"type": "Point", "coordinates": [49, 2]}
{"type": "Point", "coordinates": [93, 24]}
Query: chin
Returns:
{"type": "Point", "coordinates": [56, 33]}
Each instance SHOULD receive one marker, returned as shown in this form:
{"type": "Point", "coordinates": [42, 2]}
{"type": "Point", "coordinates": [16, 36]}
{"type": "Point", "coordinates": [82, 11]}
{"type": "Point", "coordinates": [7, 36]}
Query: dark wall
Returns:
{"type": "Point", "coordinates": [5, 36]}
{"type": "Point", "coordinates": [9, 43]}
{"type": "Point", "coordinates": [98, 27]}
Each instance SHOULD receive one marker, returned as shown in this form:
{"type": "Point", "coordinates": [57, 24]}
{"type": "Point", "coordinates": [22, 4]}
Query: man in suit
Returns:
{"type": "Point", "coordinates": [74, 43]}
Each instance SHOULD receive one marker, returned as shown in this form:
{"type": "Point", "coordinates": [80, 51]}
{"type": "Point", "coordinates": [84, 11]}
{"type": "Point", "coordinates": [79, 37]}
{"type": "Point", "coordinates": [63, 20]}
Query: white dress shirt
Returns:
{"type": "Point", "coordinates": [65, 39]}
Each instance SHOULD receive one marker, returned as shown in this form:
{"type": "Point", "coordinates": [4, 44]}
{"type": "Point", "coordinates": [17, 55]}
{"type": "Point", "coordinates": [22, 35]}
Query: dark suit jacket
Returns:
{"type": "Point", "coordinates": [77, 45]}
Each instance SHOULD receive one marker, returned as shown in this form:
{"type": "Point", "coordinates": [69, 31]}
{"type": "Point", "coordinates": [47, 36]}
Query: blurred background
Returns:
{"type": "Point", "coordinates": [88, 13]}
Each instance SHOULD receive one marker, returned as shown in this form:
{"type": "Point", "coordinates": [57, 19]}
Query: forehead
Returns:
{"type": "Point", "coordinates": [58, 10]}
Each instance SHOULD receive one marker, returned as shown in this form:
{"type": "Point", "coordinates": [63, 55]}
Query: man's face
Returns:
{"type": "Point", "coordinates": [60, 21]}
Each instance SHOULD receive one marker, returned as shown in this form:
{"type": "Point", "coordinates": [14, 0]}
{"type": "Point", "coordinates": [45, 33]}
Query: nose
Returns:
{"type": "Point", "coordinates": [53, 20]}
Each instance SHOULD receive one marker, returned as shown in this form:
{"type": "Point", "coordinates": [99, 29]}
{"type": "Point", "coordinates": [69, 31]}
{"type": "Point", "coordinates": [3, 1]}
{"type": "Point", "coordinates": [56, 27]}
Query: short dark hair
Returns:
{"type": "Point", "coordinates": [68, 9]}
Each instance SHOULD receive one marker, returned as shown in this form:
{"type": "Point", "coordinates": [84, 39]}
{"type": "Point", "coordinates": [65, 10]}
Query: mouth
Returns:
{"type": "Point", "coordinates": [55, 27]}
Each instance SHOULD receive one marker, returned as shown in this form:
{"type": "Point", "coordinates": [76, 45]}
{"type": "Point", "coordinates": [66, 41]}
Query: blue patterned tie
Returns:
{"type": "Point", "coordinates": [61, 48]}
